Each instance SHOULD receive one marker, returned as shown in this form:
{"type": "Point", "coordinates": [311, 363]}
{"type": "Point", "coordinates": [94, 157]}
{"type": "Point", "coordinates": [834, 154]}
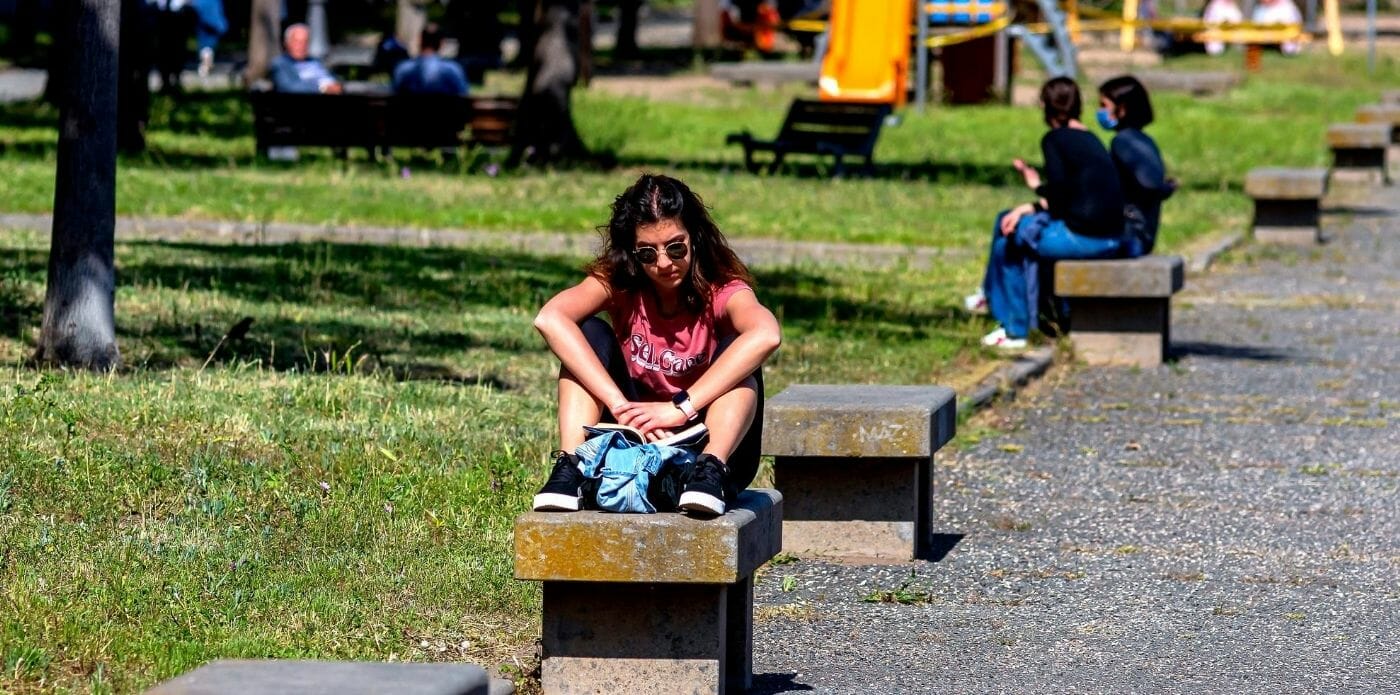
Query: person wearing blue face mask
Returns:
{"type": "Point", "coordinates": [1125, 109]}
{"type": "Point", "coordinates": [1079, 215]}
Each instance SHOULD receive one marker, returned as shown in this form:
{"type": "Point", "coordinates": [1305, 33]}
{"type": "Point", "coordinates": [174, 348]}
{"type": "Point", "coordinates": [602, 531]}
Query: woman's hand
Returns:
{"type": "Point", "coordinates": [1028, 172]}
{"type": "Point", "coordinates": [655, 420]}
{"type": "Point", "coordinates": [1012, 218]}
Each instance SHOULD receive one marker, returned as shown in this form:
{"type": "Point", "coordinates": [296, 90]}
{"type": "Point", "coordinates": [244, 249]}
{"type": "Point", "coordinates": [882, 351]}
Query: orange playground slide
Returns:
{"type": "Point", "coordinates": [867, 58]}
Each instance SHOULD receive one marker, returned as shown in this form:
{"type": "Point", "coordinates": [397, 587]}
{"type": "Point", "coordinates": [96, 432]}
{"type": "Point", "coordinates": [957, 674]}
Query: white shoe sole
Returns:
{"type": "Point", "coordinates": [555, 502]}
{"type": "Point", "coordinates": [702, 503]}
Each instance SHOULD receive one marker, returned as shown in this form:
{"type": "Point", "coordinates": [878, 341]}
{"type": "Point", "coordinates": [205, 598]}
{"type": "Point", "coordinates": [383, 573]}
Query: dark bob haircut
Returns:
{"type": "Point", "coordinates": [652, 199]}
{"type": "Point", "coordinates": [1060, 98]}
{"type": "Point", "coordinates": [1129, 95]}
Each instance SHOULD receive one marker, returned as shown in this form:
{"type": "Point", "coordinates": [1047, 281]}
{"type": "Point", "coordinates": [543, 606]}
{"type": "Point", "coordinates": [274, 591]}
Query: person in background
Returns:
{"type": "Point", "coordinates": [1079, 214]}
{"type": "Point", "coordinates": [1220, 12]}
{"type": "Point", "coordinates": [1279, 12]}
{"type": "Point", "coordinates": [297, 72]}
{"type": "Point", "coordinates": [1125, 109]}
{"type": "Point", "coordinates": [687, 342]}
{"type": "Point", "coordinates": [430, 73]}
{"type": "Point", "coordinates": [210, 25]}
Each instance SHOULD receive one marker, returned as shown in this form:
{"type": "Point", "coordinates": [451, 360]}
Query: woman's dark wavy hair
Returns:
{"type": "Point", "coordinates": [1129, 94]}
{"type": "Point", "coordinates": [1060, 99]}
{"type": "Point", "coordinates": [652, 199]}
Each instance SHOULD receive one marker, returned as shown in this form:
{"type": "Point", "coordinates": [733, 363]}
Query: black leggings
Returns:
{"type": "Point", "coordinates": [743, 464]}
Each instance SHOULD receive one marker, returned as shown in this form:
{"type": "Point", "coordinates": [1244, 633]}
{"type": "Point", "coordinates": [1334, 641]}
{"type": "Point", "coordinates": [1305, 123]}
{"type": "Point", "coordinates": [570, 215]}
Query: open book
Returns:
{"type": "Point", "coordinates": [690, 437]}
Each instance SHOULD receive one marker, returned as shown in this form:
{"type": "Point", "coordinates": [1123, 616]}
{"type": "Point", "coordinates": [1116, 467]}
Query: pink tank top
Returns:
{"type": "Point", "coordinates": [667, 354]}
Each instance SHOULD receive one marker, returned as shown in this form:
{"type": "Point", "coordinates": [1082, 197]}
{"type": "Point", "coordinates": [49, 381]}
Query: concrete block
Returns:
{"type": "Point", "coordinates": [859, 421]}
{"type": "Point", "coordinates": [647, 638]}
{"type": "Point", "coordinates": [1385, 114]}
{"type": "Point", "coordinates": [1358, 136]}
{"type": "Point", "coordinates": [591, 546]}
{"type": "Point", "coordinates": [1197, 83]}
{"type": "Point", "coordinates": [1287, 221]}
{"type": "Point", "coordinates": [1127, 331]}
{"type": "Point", "coordinates": [1390, 96]}
{"type": "Point", "coordinates": [1273, 183]}
{"type": "Point", "coordinates": [856, 508]}
{"type": "Point", "coordinates": [1148, 276]}
{"type": "Point", "coordinates": [286, 677]}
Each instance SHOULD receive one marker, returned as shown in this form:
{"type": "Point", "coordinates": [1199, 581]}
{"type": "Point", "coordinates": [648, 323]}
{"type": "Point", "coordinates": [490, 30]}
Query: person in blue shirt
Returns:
{"type": "Point", "coordinates": [297, 72]}
{"type": "Point", "coordinates": [1125, 109]}
{"type": "Point", "coordinates": [430, 73]}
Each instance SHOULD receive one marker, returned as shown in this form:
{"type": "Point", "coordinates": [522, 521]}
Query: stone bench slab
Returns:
{"type": "Point", "coordinates": [1358, 136]}
{"type": "Point", "coordinates": [288, 677]}
{"type": "Point", "coordinates": [823, 421]}
{"type": "Point", "coordinates": [1390, 96]}
{"type": "Point", "coordinates": [1273, 183]}
{"type": "Point", "coordinates": [1145, 277]}
{"type": "Point", "coordinates": [1384, 114]}
{"type": "Point", "coordinates": [660, 548]}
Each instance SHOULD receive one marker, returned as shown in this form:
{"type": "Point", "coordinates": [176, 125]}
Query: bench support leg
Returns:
{"type": "Point", "coordinates": [647, 638]}
{"type": "Point", "coordinates": [1360, 165]}
{"type": "Point", "coordinates": [856, 508]}
{"type": "Point", "coordinates": [1286, 221]}
{"type": "Point", "coordinates": [1120, 331]}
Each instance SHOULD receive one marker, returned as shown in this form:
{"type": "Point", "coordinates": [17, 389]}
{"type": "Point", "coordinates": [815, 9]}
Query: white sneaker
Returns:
{"type": "Point", "coordinates": [998, 339]}
{"type": "Point", "coordinates": [976, 303]}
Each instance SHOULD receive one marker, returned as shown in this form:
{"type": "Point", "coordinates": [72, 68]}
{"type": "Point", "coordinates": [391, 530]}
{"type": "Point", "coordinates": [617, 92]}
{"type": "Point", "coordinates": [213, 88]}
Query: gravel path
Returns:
{"type": "Point", "coordinates": [1227, 523]}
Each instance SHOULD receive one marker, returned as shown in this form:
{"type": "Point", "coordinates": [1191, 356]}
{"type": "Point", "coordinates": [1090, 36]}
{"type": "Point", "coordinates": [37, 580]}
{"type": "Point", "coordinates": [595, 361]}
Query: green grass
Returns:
{"type": "Point", "coordinates": [175, 512]}
{"type": "Point", "coordinates": [340, 483]}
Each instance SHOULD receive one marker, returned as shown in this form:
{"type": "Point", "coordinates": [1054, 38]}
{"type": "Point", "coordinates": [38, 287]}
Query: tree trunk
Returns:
{"type": "Point", "coordinates": [79, 329]}
{"type": "Point", "coordinates": [264, 38]}
{"type": "Point", "coordinates": [408, 25]}
{"type": "Point", "coordinates": [626, 46]}
{"type": "Point", "coordinates": [545, 130]}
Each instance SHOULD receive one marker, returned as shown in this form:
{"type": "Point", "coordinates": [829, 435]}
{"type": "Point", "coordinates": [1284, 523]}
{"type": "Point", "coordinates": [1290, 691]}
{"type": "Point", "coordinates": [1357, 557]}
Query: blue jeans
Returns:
{"type": "Point", "coordinates": [1012, 282]}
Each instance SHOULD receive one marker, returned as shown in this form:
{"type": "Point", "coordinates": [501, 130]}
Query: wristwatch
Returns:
{"type": "Point", "coordinates": [682, 400]}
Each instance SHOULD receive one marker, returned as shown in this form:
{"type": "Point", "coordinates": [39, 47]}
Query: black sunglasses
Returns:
{"type": "Point", "coordinates": [675, 250]}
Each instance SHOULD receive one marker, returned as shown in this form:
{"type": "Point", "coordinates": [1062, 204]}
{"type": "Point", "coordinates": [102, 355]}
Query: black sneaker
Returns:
{"type": "Point", "coordinates": [704, 492]}
{"type": "Point", "coordinates": [561, 492]}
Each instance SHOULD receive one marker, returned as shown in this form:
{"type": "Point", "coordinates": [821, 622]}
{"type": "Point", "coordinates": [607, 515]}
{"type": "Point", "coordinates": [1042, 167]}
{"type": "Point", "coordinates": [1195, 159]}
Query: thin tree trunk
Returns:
{"type": "Point", "coordinates": [545, 130]}
{"type": "Point", "coordinates": [626, 46]}
{"type": "Point", "coordinates": [264, 38]}
{"type": "Point", "coordinates": [79, 328]}
{"type": "Point", "coordinates": [408, 24]}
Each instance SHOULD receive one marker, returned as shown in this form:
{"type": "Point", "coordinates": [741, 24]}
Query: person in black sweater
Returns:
{"type": "Point", "coordinates": [1079, 215]}
{"type": "Point", "coordinates": [1125, 108]}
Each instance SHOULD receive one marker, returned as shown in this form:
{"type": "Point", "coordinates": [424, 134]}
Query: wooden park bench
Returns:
{"type": "Point", "coordinates": [1287, 203]}
{"type": "Point", "coordinates": [826, 128]}
{"type": "Point", "coordinates": [855, 466]}
{"type": "Point", "coordinates": [284, 677]}
{"type": "Point", "coordinates": [1120, 309]}
{"type": "Point", "coordinates": [1359, 152]}
{"type": "Point", "coordinates": [648, 603]}
{"type": "Point", "coordinates": [377, 122]}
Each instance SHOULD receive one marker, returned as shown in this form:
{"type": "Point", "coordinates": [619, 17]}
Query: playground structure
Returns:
{"type": "Point", "coordinates": [872, 45]}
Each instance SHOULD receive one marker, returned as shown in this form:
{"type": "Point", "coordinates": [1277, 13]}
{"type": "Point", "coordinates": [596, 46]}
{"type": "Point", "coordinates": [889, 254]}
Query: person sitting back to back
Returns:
{"type": "Point", "coordinates": [296, 71]}
{"type": "Point", "coordinates": [430, 73]}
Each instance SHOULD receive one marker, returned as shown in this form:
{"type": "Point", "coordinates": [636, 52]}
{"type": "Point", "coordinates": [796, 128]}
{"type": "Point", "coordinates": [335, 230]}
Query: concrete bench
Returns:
{"type": "Point", "coordinates": [1384, 114]}
{"type": "Point", "coordinates": [1390, 96]}
{"type": "Point", "coordinates": [285, 677]}
{"type": "Point", "coordinates": [1120, 309]}
{"type": "Point", "coordinates": [1286, 204]}
{"type": "Point", "coordinates": [648, 603]}
{"type": "Point", "coordinates": [855, 465]}
{"type": "Point", "coordinates": [1359, 152]}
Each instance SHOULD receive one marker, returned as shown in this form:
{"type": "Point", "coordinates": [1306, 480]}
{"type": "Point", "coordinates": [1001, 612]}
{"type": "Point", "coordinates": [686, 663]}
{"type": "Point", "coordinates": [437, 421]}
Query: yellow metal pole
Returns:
{"type": "Point", "coordinates": [1334, 27]}
{"type": "Point", "coordinates": [1072, 10]}
{"type": "Point", "coordinates": [1127, 37]}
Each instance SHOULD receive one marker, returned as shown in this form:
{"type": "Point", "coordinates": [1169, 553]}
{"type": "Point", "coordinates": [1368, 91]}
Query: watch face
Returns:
{"type": "Point", "coordinates": [680, 398]}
